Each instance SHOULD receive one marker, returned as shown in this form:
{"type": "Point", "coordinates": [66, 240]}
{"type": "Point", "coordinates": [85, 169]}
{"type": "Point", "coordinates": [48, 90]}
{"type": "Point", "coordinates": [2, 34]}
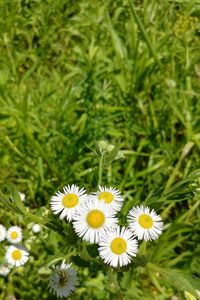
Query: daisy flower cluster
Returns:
{"type": "Point", "coordinates": [94, 219]}
{"type": "Point", "coordinates": [16, 254]}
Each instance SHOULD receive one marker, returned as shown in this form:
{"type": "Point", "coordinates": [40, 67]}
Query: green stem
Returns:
{"type": "Point", "coordinates": [143, 247]}
{"type": "Point", "coordinates": [142, 259]}
{"type": "Point", "coordinates": [100, 169]}
{"type": "Point", "coordinates": [113, 280]}
{"type": "Point", "coordinates": [144, 33]}
{"type": "Point", "coordinates": [185, 151]}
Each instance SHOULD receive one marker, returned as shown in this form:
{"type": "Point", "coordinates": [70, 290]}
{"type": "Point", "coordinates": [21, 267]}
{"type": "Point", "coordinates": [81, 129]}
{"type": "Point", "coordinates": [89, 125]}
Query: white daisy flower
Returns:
{"type": "Point", "coordinates": [110, 196]}
{"type": "Point", "coordinates": [36, 228]}
{"type": "Point", "coordinates": [68, 202]}
{"type": "Point", "coordinates": [144, 223]}
{"type": "Point", "coordinates": [92, 219]}
{"type": "Point", "coordinates": [63, 280]}
{"type": "Point", "coordinates": [16, 255]}
{"type": "Point", "coordinates": [2, 233]}
{"type": "Point", "coordinates": [14, 234]}
{"type": "Point", "coordinates": [117, 247]}
{"type": "Point", "coordinates": [189, 296]}
{"type": "Point", "coordinates": [4, 270]}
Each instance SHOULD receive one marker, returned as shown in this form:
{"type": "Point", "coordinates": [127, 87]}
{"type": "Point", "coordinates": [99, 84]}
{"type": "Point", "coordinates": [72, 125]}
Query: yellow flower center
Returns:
{"type": "Point", "coordinates": [118, 246]}
{"type": "Point", "coordinates": [16, 254]}
{"type": "Point", "coordinates": [14, 235]}
{"type": "Point", "coordinates": [106, 196]}
{"type": "Point", "coordinates": [70, 200]}
{"type": "Point", "coordinates": [95, 218]}
{"type": "Point", "coordinates": [145, 221]}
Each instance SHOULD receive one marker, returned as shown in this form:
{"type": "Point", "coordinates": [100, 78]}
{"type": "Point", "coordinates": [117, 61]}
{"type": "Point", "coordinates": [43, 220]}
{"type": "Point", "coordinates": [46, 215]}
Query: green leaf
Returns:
{"type": "Point", "coordinates": [108, 158]}
{"type": "Point", "coordinates": [84, 253]}
{"type": "Point", "coordinates": [93, 250]}
{"type": "Point", "coordinates": [54, 259]}
{"type": "Point", "coordinates": [17, 199]}
{"type": "Point", "coordinates": [117, 43]}
{"type": "Point", "coordinates": [182, 281]}
{"type": "Point", "coordinates": [8, 203]}
{"type": "Point", "coordinates": [80, 262]}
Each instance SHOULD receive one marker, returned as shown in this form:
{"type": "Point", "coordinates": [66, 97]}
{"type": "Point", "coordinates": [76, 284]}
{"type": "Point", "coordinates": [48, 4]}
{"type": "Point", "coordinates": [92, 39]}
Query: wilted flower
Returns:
{"type": "Point", "coordinates": [63, 280]}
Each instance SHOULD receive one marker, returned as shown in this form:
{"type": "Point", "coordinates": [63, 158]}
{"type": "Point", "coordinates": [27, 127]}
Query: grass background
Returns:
{"type": "Point", "coordinates": [75, 72]}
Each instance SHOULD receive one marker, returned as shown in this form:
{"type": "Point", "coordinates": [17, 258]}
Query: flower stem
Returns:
{"type": "Point", "coordinates": [100, 170]}
{"type": "Point", "coordinates": [113, 280]}
{"type": "Point", "coordinates": [144, 247]}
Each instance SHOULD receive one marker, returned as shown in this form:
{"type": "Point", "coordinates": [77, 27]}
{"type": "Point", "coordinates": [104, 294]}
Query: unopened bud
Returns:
{"type": "Point", "coordinates": [44, 273]}
{"type": "Point", "coordinates": [101, 146]}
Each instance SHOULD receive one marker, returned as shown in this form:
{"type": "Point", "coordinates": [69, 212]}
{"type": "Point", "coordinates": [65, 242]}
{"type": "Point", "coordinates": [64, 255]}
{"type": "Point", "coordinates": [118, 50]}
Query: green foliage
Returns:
{"type": "Point", "coordinates": [112, 87]}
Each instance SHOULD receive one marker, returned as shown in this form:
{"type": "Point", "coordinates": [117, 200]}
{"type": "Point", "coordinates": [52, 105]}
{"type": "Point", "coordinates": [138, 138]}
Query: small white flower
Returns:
{"type": "Point", "coordinates": [16, 255]}
{"type": "Point", "coordinates": [144, 223]}
{"type": "Point", "coordinates": [4, 270]}
{"type": "Point", "coordinates": [68, 202]}
{"type": "Point", "coordinates": [198, 293]}
{"type": "Point", "coordinates": [110, 196]}
{"type": "Point", "coordinates": [14, 234]}
{"type": "Point", "coordinates": [118, 247]}
{"type": "Point", "coordinates": [63, 280]}
{"type": "Point", "coordinates": [92, 219]}
{"type": "Point", "coordinates": [189, 296]}
{"type": "Point", "coordinates": [22, 196]}
{"type": "Point", "coordinates": [2, 233]}
{"type": "Point", "coordinates": [36, 228]}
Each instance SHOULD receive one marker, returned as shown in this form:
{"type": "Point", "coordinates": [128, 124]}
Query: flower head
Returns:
{"type": "Point", "coordinates": [110, 196]}
{"type": "Point", "coordinates": [118, 246]}
{"type": "Point", "coordinates": [36, 228]}
{"type": "Point", "coordinates": [14, 234]}
{"type": "Point", "coordinates": [68, 202]}
{"type": "Point", "coordinates": [63, 280]}
{"type": "Point", "coordinates": [144, 223]}
{"type": "Point", "coordinates": [189, 296]}
{"type": "Point", "coordinates": [4, 270]}
{"type": "Point", "coordinates": [16, 255]}
{"type": "Point", "coordinates": [2, 233]}
{"type": "Point", "coordinates": [92, 219]}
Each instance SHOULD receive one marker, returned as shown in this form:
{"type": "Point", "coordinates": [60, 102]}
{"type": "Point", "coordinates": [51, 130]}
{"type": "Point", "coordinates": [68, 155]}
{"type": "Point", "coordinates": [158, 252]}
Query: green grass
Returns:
{"type": "Point", "coordinates": [73, 73]}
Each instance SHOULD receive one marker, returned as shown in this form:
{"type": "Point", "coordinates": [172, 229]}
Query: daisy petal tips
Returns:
{"type": "Point", "coordinates": [118, 246]}
{"type": "Point", "coordinates": [145, 224]}
{"type": "Point", "coordinates": [2, 233]}
{"type": "Point", "coordinates": [93, 219]}
{"type": "Point", "coordinates": [67, 202]}
{"type": "Point", "coordinates": [110, 196]}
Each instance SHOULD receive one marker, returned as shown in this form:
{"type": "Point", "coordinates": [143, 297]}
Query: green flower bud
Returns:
{"type": "Point", "coordinates": [101, 146]}
{"type": "Point", "coordinates": [44, 273]}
